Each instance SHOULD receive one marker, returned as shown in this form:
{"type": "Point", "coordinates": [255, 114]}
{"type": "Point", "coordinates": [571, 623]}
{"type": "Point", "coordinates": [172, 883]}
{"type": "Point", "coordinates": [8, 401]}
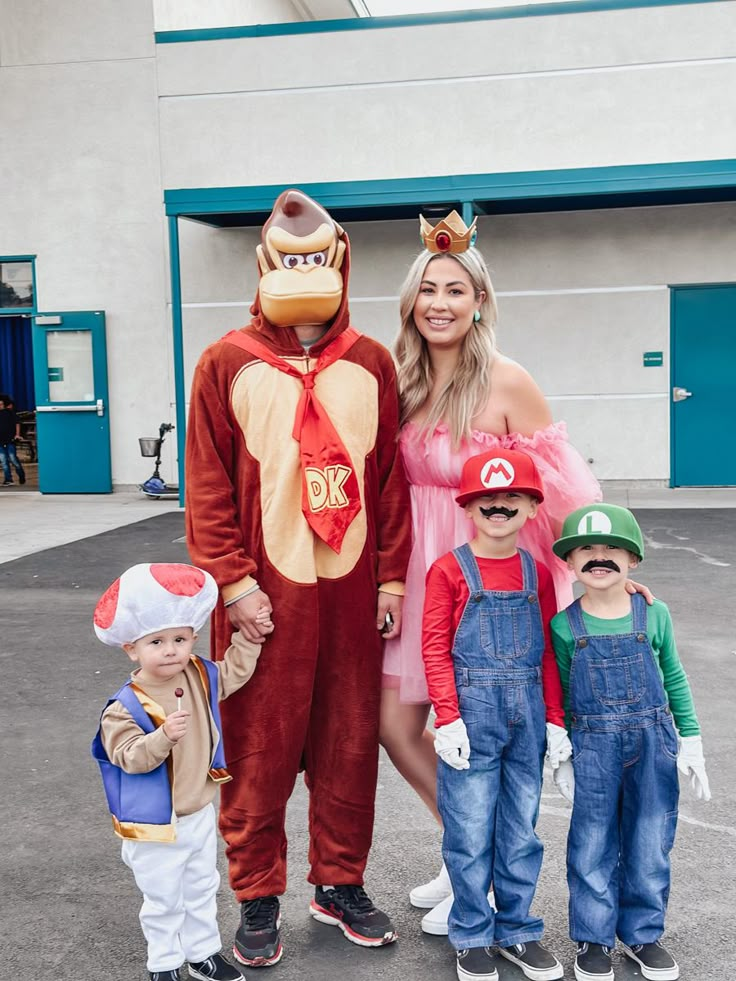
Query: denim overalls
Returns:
{"type": "Point", "coordinates": [626, 789]}
{"type": "Point", "coordinates": [489, 811]}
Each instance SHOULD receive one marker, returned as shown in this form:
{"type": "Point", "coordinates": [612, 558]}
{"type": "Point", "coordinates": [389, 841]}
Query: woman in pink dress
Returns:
{"type": "Point", "coordinates": [460, 396]}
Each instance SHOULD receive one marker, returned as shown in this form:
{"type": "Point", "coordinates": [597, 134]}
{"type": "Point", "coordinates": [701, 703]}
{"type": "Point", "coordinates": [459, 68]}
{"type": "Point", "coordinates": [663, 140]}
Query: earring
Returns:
{"type": "Point", "coordinates": [476, 316]}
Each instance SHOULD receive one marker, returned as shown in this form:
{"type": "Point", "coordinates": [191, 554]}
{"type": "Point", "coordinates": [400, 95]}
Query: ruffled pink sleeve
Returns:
{"type": "Point", "coordinates": [568, 484]}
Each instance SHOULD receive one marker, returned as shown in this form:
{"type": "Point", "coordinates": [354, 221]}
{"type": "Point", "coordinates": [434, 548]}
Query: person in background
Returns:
{"type": "Point", "coordinates": [9, 433]}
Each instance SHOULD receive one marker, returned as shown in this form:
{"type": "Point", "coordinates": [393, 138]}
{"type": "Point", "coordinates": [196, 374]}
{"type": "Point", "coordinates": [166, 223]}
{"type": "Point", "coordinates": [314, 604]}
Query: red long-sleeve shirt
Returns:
{"type": "Point", "coordinates": [445, 599]}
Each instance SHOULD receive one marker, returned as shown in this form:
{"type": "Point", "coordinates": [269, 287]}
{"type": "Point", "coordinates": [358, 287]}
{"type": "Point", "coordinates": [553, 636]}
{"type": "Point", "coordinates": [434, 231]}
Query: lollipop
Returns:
{"type": "Point", "coordinates": [179, 692]}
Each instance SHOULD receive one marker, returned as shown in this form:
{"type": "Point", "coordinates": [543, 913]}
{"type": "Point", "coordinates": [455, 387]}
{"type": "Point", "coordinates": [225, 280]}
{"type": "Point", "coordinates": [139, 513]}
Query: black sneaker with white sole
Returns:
{"type": "Point", "coordinates": [258, 942]}
{"type": "Point", "coordinates": [655, 961]}
{"type": "Point", "coordinates": [535, 960]}
{"type": "Point", "coordinates": [352, 910]}
{"type": "Point", "coordinates": [164, 975]}
{"type": "Point", "coordinates": [477, 964]}
{"type": "Point", "coordinates": [593, 963]}
{"type": "Point", "coordinates": [215, 968]}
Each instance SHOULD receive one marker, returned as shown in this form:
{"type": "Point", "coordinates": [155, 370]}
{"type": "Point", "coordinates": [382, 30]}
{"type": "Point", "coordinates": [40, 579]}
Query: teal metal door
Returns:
{"type": "Point", "coordinates": [703, 395]}
{"type": "Point", "coordinates": [72, 419]}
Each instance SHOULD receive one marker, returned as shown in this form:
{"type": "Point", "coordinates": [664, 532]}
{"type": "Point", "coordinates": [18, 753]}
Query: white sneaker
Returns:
{"type": "Point", "coordinates": [432, 893]}
{"type": "Point", "coordinates": [435, 922]}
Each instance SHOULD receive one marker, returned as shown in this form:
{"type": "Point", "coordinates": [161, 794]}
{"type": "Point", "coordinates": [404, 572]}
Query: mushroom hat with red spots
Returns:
{"type": "Point", "coordinates": [154, 596]}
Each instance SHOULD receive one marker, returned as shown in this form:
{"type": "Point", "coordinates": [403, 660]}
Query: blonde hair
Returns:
{"type": "Point", "coordinates": [466, 393]}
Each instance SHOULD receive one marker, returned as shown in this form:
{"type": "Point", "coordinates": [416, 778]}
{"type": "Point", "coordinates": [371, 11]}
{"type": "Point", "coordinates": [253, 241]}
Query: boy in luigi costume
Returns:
{"type": "Point", "coordinates": [627, 698]}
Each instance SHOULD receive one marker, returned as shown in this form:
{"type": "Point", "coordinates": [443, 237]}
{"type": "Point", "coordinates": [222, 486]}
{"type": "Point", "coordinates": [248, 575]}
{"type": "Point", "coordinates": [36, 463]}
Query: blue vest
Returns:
{"type": "Point", "coordinates": [141, 803]}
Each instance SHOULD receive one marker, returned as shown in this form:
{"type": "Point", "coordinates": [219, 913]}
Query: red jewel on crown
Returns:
{"type": "Point", "coordinates": [450, 234]}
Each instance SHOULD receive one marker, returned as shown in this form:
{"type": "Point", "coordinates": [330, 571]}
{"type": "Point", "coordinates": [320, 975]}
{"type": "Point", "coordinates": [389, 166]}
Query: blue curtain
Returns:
{"type": "Point", "coordinates": [16, 361]}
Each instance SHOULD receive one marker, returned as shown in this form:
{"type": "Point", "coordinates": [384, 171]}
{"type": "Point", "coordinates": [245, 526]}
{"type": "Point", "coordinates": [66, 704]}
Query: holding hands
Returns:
{"type": "Point", "coordinates": [452, 745]}
{"type": "Point", "coordinates": [251, 615]}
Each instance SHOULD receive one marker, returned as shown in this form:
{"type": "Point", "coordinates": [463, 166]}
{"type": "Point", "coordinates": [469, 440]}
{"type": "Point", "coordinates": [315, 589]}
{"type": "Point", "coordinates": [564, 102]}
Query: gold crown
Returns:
{"type": "Point", "coordinates": [450, 234]}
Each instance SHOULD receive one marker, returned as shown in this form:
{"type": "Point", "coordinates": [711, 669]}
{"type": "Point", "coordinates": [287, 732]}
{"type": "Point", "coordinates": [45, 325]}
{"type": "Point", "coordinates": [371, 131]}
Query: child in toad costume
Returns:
{"type": "Point", "coordinates": [159, 748]}
{"type": "Point", "coordinates": [297, 502]}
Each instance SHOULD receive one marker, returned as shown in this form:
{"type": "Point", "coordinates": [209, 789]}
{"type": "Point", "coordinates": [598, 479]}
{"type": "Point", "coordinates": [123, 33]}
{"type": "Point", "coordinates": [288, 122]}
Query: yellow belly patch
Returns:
{"type": "Point", "coordinates": [264, 402]}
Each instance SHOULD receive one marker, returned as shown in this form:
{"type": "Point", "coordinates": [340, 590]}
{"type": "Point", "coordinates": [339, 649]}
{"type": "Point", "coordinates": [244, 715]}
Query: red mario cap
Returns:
{"type": "Point", "coordinates": [496, 471]}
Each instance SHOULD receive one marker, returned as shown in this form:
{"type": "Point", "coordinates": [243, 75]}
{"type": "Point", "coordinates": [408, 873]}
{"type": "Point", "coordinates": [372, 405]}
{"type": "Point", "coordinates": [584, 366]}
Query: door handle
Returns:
{"type": "Point", "coordinates": [68, 408]}
{"type": "Point", "coordinates": [680, 394]}
{"type": "Point", "coordinates": [100, 407]}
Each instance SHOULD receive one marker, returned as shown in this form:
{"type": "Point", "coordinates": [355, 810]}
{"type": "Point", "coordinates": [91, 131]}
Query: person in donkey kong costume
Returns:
{"type": "Point", "coordinates": [297, 505]}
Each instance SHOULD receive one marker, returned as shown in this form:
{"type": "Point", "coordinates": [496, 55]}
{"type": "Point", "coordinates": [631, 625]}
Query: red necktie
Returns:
{"type": "Point", "coordinates": [330, 492]}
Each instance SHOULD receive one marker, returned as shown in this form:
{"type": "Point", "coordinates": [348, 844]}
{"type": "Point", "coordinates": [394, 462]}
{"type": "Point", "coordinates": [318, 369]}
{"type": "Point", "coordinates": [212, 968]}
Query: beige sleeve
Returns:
{"type": "Point", "coordinates": [128, 746]}
{"type": "Point", "coordinates": [237, 666]}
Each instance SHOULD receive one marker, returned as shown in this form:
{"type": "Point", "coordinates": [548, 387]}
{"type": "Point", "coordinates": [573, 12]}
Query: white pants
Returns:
{"type": "Point", "coordinates": [179, 882]}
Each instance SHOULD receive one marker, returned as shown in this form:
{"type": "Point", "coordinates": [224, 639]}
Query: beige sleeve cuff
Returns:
{"type": "Point", "coordinates": [395, 588]}
{"type": "Point", "coordinates": [236, 588]}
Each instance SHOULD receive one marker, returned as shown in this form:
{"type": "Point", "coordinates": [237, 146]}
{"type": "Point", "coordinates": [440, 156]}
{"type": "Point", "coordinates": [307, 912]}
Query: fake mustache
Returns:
{"type": "Point", "coordinates": [601, 564]}
{"type": "Point", "coordinates": [506, 512]}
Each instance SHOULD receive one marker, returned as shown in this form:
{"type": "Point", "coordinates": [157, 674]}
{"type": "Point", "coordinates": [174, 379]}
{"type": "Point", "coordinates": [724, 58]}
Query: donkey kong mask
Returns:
{"type": "Point", "coordinates": [299, 258]}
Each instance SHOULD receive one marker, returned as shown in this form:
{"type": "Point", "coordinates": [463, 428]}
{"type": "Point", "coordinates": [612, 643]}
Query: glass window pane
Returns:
{"type": "Point", "coordinates": [71, 374]}
{"type": "Point", "coordinates": [16, 284]}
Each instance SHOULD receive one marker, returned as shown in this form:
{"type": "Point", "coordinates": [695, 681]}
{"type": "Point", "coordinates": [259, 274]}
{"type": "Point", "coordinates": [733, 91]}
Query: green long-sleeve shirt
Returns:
{"type": "Point", "coordinates": [662, 638]}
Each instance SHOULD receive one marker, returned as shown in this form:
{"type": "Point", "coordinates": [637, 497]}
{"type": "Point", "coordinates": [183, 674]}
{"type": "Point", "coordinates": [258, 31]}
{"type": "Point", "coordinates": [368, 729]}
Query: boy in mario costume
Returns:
{"type": "Point", "coordinates": [495, 688]}
{"type": "Point", "coordinates": [627, 697]}
{"type": "Point", "coordinates": [159, 748]}
{"type": "Point", "coordinates": [297, 504]}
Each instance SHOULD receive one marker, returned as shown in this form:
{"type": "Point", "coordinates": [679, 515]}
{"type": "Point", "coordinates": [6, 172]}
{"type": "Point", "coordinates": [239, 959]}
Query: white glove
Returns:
{"type": "Point", "coordinates": [452, 745]}
{"type": "Point", "coordinates": [564, 778]}
{"type": "Point", "coordinates": [559, 747]}
{"type": "Point", "coordinates": [691, 763]}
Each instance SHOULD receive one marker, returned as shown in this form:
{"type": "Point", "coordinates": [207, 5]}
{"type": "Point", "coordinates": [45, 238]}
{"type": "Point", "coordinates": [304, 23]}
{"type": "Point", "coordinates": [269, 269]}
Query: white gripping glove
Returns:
{"type": "Point", "coordinates": [564, 778]}
{"type": "Point", "coordinates": [452, 745]}
{"type": "Point", "coordinates": [691, 763]}
{"type": "Point", "coordinates": [559, 747]}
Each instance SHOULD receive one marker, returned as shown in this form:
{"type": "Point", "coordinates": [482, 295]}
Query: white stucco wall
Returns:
{"type": "Point", "coordinates": [582, 296]}
{"type": "Point", "coordinates": [100, 121]}
{"type": "Point", "coordinates": [81, 159]}
{"type": "Point", "coordinates": [577, 90]}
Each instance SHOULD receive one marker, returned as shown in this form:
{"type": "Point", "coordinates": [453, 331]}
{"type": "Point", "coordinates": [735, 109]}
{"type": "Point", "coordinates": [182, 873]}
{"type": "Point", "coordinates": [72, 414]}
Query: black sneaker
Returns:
{"type": "Point", "coordinates": [257, 942]}
{"type": "Point", "coordinates": [535, 961]}
{"type": "Point", "coordinates": [7, 483]}
{"type": "Point", "coordinates": [593, 963]}
{"type": "Point", "coordinates": [165, 975]}
{"type": "Point", "coordinates": [655, 961]}
{"type": "Point", "coordinates": [21, 478]}
{"type": "Point", "coordinates": [215, 968]}
{"type": "Point", "coordinates": [352, 910]}
{"type": "Point", "coordinates": [477, 964]}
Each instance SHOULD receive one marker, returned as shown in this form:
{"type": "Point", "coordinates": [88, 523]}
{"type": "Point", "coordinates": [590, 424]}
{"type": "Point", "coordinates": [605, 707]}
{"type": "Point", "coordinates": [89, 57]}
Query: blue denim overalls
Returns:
{"type": "Point", "coordinates": [626, 789]}
{"type": "Point", "coordinates": [489, 811]}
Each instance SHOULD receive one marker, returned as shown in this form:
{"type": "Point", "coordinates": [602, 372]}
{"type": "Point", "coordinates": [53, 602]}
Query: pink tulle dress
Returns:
{"type": "Point", "coordinates": [433, 469]}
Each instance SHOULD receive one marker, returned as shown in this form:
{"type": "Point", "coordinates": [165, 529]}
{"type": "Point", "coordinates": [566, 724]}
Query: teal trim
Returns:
{"type": "Point", "coordinates": [479, 190]}
{"type": "Point", "coordinates": [412, 20]}
{"type": "Point", "coordinates": [178, 343]}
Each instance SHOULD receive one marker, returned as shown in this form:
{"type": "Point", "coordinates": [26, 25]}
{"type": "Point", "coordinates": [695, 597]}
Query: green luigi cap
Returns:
{"type": "Point", "coordinates": [606, 523]}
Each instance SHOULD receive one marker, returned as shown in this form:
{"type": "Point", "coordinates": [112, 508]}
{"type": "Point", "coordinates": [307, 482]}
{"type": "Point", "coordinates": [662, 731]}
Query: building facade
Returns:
{"type": "Point", "coordinates": [594, 140]}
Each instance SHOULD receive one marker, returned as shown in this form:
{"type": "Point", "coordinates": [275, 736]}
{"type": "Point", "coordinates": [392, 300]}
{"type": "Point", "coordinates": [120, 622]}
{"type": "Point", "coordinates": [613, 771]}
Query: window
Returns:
{"type": "Point", "coordinates": [16, 284]}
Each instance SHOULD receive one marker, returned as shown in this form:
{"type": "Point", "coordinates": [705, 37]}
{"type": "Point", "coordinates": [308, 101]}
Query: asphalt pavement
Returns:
{"type": "Point", "coordinates": [70, 906]}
